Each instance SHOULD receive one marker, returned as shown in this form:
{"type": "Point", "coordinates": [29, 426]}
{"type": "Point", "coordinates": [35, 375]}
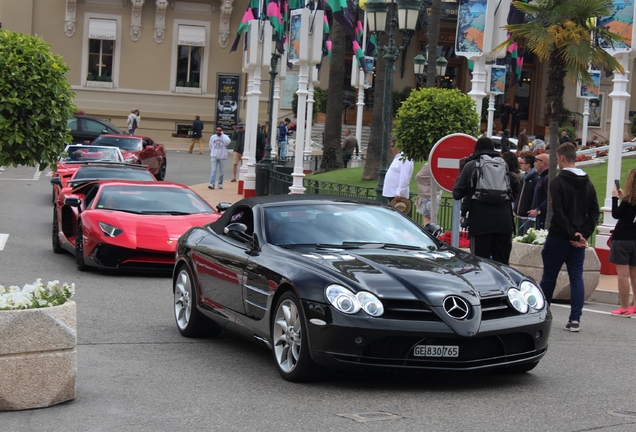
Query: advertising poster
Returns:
{"type": "Point", "coordinates": [227, 106]}
{"type": "Point", "coordinates": [591, 91]}
{"type": "Point", "coordinates": [596, 106]}
{"type": "Point", "coordinates": [620, 21]}
{"type": "Point", "coordinates": [471, 23]}
{"type": "Point", "coordinates": [295, 23]}
{"type": "Point", "coordinates": [497, 79]}
{"type": "Point", "coordinates": [368, 76]}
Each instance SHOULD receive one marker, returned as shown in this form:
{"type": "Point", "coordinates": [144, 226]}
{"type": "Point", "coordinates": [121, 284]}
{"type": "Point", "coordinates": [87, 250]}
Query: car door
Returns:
{"type": "Point", "coordinates": [148, 155]}
{"type": "Point", "coordinates": [90, 129]}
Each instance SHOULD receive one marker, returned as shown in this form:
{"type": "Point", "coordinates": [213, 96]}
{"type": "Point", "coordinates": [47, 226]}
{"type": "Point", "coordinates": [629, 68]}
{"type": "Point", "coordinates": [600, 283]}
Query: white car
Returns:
{"type": "Point", "coordinates": [496, 140]}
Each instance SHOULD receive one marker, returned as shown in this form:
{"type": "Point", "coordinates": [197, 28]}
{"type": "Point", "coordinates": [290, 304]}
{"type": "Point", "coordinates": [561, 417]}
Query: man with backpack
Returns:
{"type": "Point", "coordinates": [485, 185]}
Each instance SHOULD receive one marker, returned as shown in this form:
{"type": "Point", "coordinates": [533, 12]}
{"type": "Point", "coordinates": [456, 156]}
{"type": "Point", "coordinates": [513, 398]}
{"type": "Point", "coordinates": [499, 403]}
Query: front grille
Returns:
{"type": "Point", "coordinates": [496, 308]}
{"type": "Point", "coordinates": [126, 259]}
{"type": "Point", "coordinates": [415, 310]}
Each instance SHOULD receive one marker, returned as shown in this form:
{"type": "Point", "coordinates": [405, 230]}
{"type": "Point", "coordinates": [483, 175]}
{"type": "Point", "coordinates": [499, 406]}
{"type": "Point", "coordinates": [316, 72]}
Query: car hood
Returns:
{"type": "Point", "coordinates": [156, 232]}
{"type": "Point", "coordinates": [429, 276]}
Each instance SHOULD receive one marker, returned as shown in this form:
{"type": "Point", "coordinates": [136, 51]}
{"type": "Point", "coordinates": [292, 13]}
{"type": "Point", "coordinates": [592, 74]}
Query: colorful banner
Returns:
{"type": "Point", "coordinates": [586, 91]}
{"type": "Point", "coordinates": [471, 25]}
{"type": "Point", "coordinates": [497, 79]}
{"type": "Point", "coordinates": [620, 21]}
{"type": "Point", "coordinates": [227, 103]}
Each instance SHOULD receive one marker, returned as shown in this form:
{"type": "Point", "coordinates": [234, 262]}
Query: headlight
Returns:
{"type": "Point", "coordinates": [348, 302]}
{"type": "Point", "coordinates": [109, 230]}
{"type": "Point", "coordinates": [517, 301]}
{"type": "Point", "coordinates": [532, 295]}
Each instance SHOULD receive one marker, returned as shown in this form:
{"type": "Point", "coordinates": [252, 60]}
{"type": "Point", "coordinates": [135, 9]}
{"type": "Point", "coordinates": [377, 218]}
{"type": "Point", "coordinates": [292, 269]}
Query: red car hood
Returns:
{"type": "Point", "coordinates": [147, 232]}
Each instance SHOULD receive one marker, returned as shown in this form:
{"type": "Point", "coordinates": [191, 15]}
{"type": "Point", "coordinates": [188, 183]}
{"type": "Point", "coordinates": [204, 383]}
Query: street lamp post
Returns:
{"type": "Point", "coordinates": [419, 68]}
{"type": "Point", "coordinates": [440, 66]}
{"type": "Point", "coordinates": [406, 20]}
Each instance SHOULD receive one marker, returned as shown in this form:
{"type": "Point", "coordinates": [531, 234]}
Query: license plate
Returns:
{"type": "Point", "coordinates": [436, 351]}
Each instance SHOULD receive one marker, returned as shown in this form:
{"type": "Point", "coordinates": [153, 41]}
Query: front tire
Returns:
{"type": "Point", "coordinates": [79, 247]}
{"type": "Point", "coordinates": [289, 340]}
{"type": "Point", "coordinates": [55, 237]}
{"type": "Point", "coordinates": [190, 321]}
{"type": "Point", "coordinates": [162, 170]}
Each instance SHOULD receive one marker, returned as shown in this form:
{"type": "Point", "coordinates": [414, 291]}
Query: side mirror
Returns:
{"type": "Point", "coordinates": [56, 181]}
{"type": "Point", "coordinates": [72, 201]}
{"type": "Point", "coordinates": [238, 231]}
{"type": "Point", "coordinates": [105, 131]}
{"type": "Point", "coordinates": [433, 229]}
{"type": "Point", "coordinates": [223, 206]}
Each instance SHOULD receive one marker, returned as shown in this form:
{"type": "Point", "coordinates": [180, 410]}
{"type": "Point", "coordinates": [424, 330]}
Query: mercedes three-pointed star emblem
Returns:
{"type": "Point", "coordinates": [456, 307]}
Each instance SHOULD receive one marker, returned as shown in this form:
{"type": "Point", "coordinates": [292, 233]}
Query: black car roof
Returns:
{"type": "Point", "coordinates": [273, 200]}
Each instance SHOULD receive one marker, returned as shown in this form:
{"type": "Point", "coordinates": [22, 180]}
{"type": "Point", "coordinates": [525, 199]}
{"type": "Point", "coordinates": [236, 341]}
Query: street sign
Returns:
{"type": "Point", "coordinates": [445, 156]}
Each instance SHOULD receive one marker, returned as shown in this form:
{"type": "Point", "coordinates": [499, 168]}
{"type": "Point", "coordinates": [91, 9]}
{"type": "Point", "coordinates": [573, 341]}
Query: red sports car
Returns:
{"type": "Point", "coordinates": [78, 155]}
{"type": "Point", "coordinates": [126, 225]}
{"type": "Point", "coordinates": [138, 149]}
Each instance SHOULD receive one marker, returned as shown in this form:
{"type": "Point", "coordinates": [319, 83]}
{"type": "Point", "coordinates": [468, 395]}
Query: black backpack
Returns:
{"type": "Point", "coordinates": [492, 184]}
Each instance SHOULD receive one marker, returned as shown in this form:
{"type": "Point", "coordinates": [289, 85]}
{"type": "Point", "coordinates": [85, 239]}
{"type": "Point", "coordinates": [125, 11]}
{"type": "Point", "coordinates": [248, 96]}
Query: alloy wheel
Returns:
{"type": "Point", "coordinates": [287, 335]}
{"type": "Point", "coordinates": [183, 299]}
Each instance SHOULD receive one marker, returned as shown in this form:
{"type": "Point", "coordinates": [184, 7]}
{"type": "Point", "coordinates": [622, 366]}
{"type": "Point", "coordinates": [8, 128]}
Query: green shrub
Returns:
{"type": "Point", "coordinates": [398, 99]}
{"type": "Point", "coordinates": [90, 77]}
{"type": "Point", "coordinates": [430, 114]}
{"type": "Point", "coordinates": [632, 127]}
{"type": "Point", "coordinates": [570, 130]}
{"type": "Point", "coordinates": [320, 100]}
{"type": "Point", "coordinates": [35, 101]}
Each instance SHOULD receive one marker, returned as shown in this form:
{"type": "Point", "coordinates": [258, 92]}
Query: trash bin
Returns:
{"type": "Point", "coordinates": [280, 180]}
{"type": "Point", "coordinates": [262, 178]}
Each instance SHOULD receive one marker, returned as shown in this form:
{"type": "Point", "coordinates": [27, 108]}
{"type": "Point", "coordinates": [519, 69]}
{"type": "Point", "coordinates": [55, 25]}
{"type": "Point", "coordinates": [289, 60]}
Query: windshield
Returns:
{"type": "Point", "coordinates": [105, 173]}
{"type": "Point", "coordinates": [151, 200]}
{"type": "Point", "coordinates": [132, 144]}
{"type": "Point", "coordinates": [342, 224]}
{"type": "Point", "coordinates": [82, 153]}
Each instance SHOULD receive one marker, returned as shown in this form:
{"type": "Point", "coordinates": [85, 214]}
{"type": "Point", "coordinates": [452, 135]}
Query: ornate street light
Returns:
{"type": "Point", "coordinates": [419, 68]}
{"type": "Point", "coordinates": [440, 66]}
{"type": "Point", "coordinates": [407, 11]}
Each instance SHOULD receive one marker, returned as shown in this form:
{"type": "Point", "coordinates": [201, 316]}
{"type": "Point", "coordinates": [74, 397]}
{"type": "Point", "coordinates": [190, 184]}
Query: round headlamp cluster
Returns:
{"type": "Point", "coordinates": [349, 303]}
{"type": "Point", "coordinates": [528, 296]}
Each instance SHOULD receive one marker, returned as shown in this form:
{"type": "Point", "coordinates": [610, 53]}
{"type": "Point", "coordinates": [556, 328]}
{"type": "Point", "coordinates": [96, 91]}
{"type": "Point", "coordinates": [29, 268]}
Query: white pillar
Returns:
{"type": "Point", "coordinates": [248, 110]}
{"type": "Point", "coordinates": [310, 113]}
{"type": "Point", "coordinates": [298, 175]}
{"type": "Point", "coordinates": [619, 97]}
{"type": "Point", "coordinates": [491, 115]}
{"type": "Point", "coordinates": [478, 91]}
{"type": "Point", "coordinates": [249, 152]}
{"type": "Point", "coordinates": [359, 112]}
{"type": "Point", "coordinates": [586, 118]}
{"type": "Point", "coordinates": [275, 108]}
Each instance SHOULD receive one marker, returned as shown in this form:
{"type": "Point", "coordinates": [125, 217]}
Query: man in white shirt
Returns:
{"type": "Point", "coordinates": [132, 121]}
{"type": "Point", "coordinates": [218, 154]}
{"type": "Point", "coordinates": [398, 176]}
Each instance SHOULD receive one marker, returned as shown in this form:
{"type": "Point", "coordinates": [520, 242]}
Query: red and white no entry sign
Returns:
{"type": "Point", "coordinates": [445, 156]}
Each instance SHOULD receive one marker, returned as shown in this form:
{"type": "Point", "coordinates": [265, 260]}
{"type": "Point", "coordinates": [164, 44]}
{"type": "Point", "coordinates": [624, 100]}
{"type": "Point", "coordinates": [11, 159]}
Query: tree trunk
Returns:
{"type": "Point", "coordinates": [331, 147]}
{"type": "Point", "coordinates": [374, 148]}
{"type": "Point", "coordinates": [433, 37]}
{"type": "Point", "coordinates": [554, 103]}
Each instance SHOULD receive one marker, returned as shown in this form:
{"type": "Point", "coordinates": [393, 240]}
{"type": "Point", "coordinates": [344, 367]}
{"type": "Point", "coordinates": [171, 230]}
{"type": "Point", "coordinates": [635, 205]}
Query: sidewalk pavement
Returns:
{"type": "Point", "coordinates": [606, 292]}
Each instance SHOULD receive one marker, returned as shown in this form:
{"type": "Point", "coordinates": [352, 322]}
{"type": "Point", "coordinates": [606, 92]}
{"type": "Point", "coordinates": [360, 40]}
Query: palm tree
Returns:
{"type": "Point", "coordinates": [562, 32]}
{"type": "Point", "coordinates": [332, 153]}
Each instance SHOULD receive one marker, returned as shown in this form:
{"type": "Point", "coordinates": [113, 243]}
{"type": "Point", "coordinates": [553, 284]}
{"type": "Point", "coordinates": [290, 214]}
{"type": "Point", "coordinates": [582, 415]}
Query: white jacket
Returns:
{"type": "Point", "coordinates": [218, 146]}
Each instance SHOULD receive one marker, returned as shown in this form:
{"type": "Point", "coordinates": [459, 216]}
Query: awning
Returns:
{"type": "Point", "coordinates": [102, 29]}
{"type": "Point", "coordinates": [191, 35]}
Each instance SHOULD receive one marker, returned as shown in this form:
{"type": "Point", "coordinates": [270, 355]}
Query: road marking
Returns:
{"type": "Point", "coordinates": [38, 173]}
{"type": "Point", "coordinates": [585, 309]}
{"type": "Point", "coordinates": [3, 240]}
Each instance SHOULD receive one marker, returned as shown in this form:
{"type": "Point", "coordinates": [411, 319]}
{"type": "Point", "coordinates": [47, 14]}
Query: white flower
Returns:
{"type": "Point", "coordinates": [35, 295]}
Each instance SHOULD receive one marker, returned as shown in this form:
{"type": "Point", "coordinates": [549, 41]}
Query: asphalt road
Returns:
{"type": "Point", "coordinates": [136, 373]}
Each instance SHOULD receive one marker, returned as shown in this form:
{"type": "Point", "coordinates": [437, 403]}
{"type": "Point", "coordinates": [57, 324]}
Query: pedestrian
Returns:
{"type": "Point", "coordinates": [538, 142]}
{"type": "Point", "coordinates": [505, 114]}
{"type": "Point", "coordinates": [349, 144]}
{"type": "Point", "coordinates": [505, 141]}
{"type": "Point", "coordinates": [623, 247]}
{"type": "Point", "coordinates": [564, 138]}
{"type": "Point", "coordinates": [239, 138]}
{"type": "Point", "coordinates": [524, 200]}
{"type": "Point", "coordinates": [218, 155]}
{"type": "Point", "coordinates": [515, 113]}
{"type": "Point", "coordinates": [522, 140]}
{"type": "Point", "coordinates": [575, 215]}
{"type": "Point", "coordinates": [398, 176]}
{"type": "Point", "coordinates": [261, 141]}
{"type": "Point", "coordinates": [593, 142]}
{"type": "Point", "coordinates": [132, 121]}
{"type": "Point", "coordinates": [491, 223]}
{"type": "Point", "coordinates": [197, 134]}
{"type": "Point", "coordinates": [539, 206]}
{"type": "Point", "coordinates": [283, 135]}
{"type": "Point", "coordinates": [423, 203]}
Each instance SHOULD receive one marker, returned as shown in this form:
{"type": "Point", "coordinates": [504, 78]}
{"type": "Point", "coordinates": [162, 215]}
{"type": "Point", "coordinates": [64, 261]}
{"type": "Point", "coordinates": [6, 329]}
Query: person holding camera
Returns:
{"type": "Point", "coordinates": [490, 220]}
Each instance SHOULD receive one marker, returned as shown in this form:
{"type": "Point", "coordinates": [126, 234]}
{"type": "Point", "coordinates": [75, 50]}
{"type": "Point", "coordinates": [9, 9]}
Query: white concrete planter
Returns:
{"type": "Point", "coordinates": [38, 357]}
{"type": "Point", "coordinates": [526, 258]}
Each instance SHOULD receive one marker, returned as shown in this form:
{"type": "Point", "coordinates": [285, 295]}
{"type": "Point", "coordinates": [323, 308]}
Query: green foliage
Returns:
{"type": "Point", "coordinates": [320, 98]}
{"type": "Point", "coordinates": [35, 101]}
{"type": "Point", "coordinates": [428, 115]}
{"type": "Point", "coordinates": [398, 98]}
{"type": "Point", "coordinates": [632, 127]}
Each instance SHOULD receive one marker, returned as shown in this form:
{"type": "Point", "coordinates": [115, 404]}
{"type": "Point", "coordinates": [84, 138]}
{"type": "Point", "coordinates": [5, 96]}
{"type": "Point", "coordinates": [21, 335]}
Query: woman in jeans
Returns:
{"type": "Point", "coordinates": [623, 247]}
